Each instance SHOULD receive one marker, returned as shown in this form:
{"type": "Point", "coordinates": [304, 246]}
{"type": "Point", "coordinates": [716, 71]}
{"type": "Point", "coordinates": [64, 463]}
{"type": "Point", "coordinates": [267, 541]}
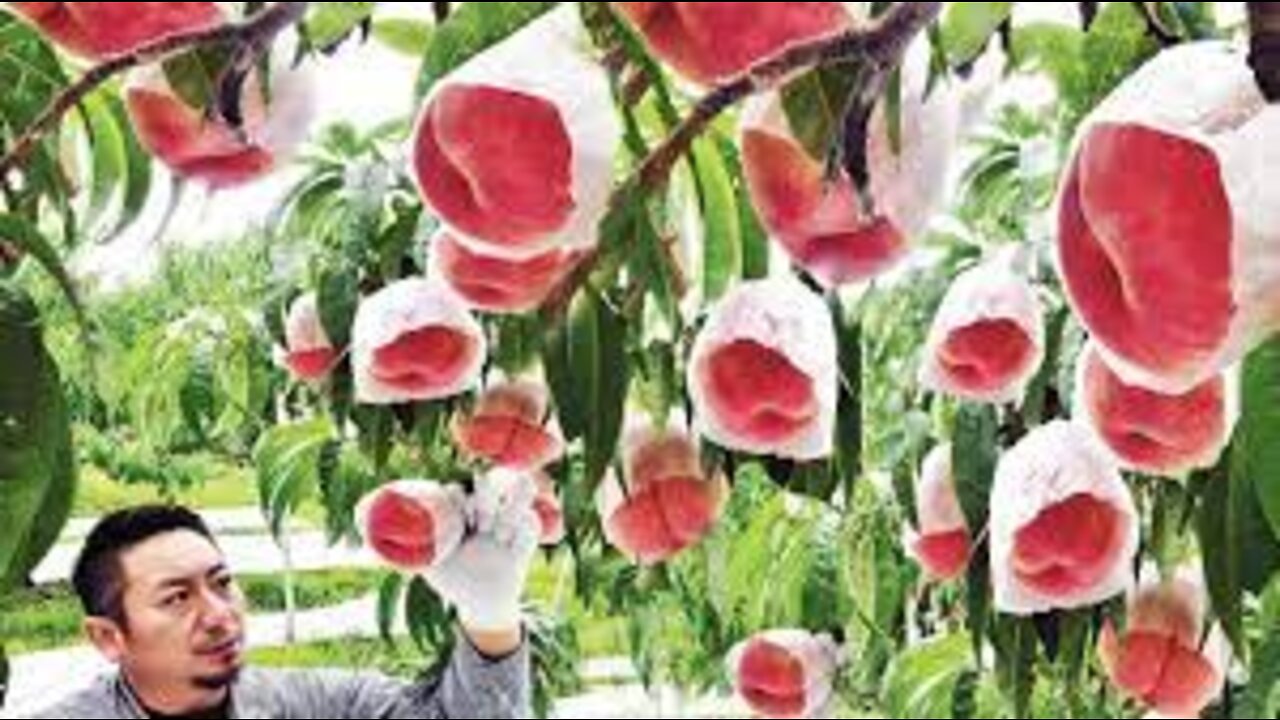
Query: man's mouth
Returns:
{"type": "Point", "coordinates": [229, 647]}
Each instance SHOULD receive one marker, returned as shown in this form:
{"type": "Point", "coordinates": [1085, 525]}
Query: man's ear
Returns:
{"type": "Point", "coordinates": [107, 636]}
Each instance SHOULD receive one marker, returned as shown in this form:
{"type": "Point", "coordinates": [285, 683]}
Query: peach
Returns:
{"type": "Point", "coordinates": [514, 151]}
{"type": "Point", "coordinates": [785, 673]}
{"type": "Point", "coordinates": [1064, 527]}
{"type": "Point", "coordinates": [412, 524]}
{"type": "Point", "coordinates": [496, 284]}
{"type": "Point", "coordinates": [550, 510]}
{"type": "Point", "coordinates": [1153, 432]}
{"type": "Point", "coordinates": [1162, 658]}
{"type": "Point", "coordinates": [763, 373]}
{"type": "Point", "coordinates": [308, 353]}
{"type": "Point", "coordinates": [507, 427]}
{"type": "Point", "coordinates": [709, 42]}
{"type": "Point", "coordinates": [1169, 219]}
{"type": "Point", "coordinates": [664, 503]}
{"type": "Point", "coordinates": [414, 340]}
{"type": "Point", "coordinates": [942, 544]}
{"type": "Point", "coordinates": [196, 146]}
{"type": "Point", "coordinates": [987, 340]}
{"type": "Point", "coordinates": [98, 30]}
{"type": "Point", "coordinates": [820, 220]}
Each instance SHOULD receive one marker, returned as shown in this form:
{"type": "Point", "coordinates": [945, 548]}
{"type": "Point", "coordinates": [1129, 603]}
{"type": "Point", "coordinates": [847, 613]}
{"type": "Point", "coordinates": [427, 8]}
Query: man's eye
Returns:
{"type": "Point", "coordinates": [174, 600]}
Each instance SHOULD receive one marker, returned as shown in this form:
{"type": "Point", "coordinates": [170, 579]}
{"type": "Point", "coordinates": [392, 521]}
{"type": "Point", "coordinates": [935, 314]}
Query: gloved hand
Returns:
{"type": "Point", "coordinates": [485, 577]}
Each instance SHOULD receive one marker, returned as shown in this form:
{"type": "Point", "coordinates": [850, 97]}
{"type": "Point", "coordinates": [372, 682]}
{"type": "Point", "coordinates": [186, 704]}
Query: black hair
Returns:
{"type": "Point", "coordinates": [98, 576]}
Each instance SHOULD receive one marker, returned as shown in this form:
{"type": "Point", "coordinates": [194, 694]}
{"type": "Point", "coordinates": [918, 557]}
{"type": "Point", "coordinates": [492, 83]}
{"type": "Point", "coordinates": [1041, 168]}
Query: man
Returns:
{"type": "Point", "coordinates": [162, 605]}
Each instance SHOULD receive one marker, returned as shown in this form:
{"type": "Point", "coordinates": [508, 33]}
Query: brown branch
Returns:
{"type": "Point", "coordinates": [1088, 13]}
{"type": "Point", "coordinates": [256, 32]}
{"type": "Point", "coordinates": [1264, 47]}
{"type": "Point", "coordinates": [1155, 26]}
{"type": "Point", "coordinates": [881, 44]}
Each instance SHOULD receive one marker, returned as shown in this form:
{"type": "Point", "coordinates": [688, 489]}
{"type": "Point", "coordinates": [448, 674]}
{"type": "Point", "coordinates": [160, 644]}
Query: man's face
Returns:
{"type": "Point", "coordinates": [185, 616]}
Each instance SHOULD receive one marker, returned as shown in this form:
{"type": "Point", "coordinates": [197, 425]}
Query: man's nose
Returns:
{"type": "Point", "coordinates": [218, 608]}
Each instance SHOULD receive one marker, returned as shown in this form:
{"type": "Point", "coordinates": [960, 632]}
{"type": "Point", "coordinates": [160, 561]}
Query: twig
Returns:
{"type": "Point", "coordinates": [1155, 26]}
{"type": "Point", "coordinates": [881, 45]}
{"type": "Point", "coordinates": [1264, 47]}
{"type": "Point", "coordinates": [1088, 13]}
{"type": "Point", "coordinates": [256, 32]}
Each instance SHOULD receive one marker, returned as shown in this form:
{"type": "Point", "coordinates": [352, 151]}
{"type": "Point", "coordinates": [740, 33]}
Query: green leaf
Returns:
{"type": "Point", "coordinates": [37, 461]}
{"type": "Point", "coordinates": [974, 453]}
{"type": "Point", "coordinates": [601, 370]}
{"type": "Point", "coordinates": [1075, 646]}
{"type": "Point", "coordinates": [1259, 698]}
{"type": "Point", "coordinates": [336, 494]}
{"type": "Point", "coordinates": [1194, 20]}
{"type": "Point", "coordinates": [822, 592]}
{"type": "Point", "coordinates": [194, 75]}
{"type": "Point", "coordinates": [1116, 45]}
{"type": "Point", "coordinates": [756, 247]}
{"type": "Point", "coordinates": [377, 435]}
{"type": "Point", "coordinates": [138, 169]}
{"type": "Point", "coordinates": [721, 242]}
{"type": "Point", "coordinates": [108, 159]}
{"type": "Point", "coordinates": [1016, 659]}
{"type": "Point", "coordinates": [518, 340]}
{"type": "Point", "coordinates": [964, 696]}
{"type": "Point", "coordinates": [817, 479]}
{"type": "Point", "coordinates": [31, 75]}
{"type": "Point", "coordinates": [197, 396]}
{"type": "Point", "coordinates": [428, 619]}
{"type": "Point", "coordinates": [657, 271]}
{"type": "Point", "coordinates": [1038, 392]}
{"type": "Point", "coordinates": [336, 299]}
{"type": "Point", "coordinates": [274, 311]}
{"type": "Point", "coordinates": [564, 390]}
{"type": "Point", "coordinates": [968, 28]}
{"type": "Point", "coordinates": [390, 594]}
{"type": "Point", "coordinates": [288, 459]}
{"type": "Point", "coordinates": [977, 596]}
{"type": "Point", "coordinates": [1055, 49]}
{"type": "Point", "coordinates": [815, 104]}
{"type": "Point", "coordinates": [403, 35]}
{"type": "Point", "coordinates": [921, 682]}
{"type": "Point", "coordinates": [1257, 439]}
{"type": "Point", "coordinates": [25, 236]}
{"type": "Point", "coordinates": [469, 31]}
{"type": "Point", "coordinates": [328, 23]}
{"type": "Point", "coordinates": [1240, 553]}
{"type": "Point", "coordinates": [849, 420]}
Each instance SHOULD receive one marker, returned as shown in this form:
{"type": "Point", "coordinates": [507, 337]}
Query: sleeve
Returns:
{"type": "Point", "coordinates": [469, 686]}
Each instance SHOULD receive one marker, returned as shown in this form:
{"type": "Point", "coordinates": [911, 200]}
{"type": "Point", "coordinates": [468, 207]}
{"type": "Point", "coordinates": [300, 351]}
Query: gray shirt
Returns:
{"type": "Point", "coordinates": [469, 687]}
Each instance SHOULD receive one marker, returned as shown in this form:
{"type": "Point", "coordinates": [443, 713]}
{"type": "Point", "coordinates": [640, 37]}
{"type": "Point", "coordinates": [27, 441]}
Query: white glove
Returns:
{"type": "Point", "coordinates": [485, 577]}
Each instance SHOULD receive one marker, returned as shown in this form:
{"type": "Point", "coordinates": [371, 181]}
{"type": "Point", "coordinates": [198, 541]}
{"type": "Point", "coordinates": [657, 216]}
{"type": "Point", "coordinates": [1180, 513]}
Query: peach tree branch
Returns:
{"type": "Point", "coordinates": [881, 45]}
{"type": "Point", "coordinates": [255, 33]}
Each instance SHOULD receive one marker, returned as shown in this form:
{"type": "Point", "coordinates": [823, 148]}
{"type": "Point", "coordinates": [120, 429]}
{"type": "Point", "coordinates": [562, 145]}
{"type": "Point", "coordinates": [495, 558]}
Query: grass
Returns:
{"type": "Point", "coordinates": [228, 487]}
{"type": "Point", "coordinates": [401, 659]}
{"type": "Point", "coordinates": [48, 617]}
